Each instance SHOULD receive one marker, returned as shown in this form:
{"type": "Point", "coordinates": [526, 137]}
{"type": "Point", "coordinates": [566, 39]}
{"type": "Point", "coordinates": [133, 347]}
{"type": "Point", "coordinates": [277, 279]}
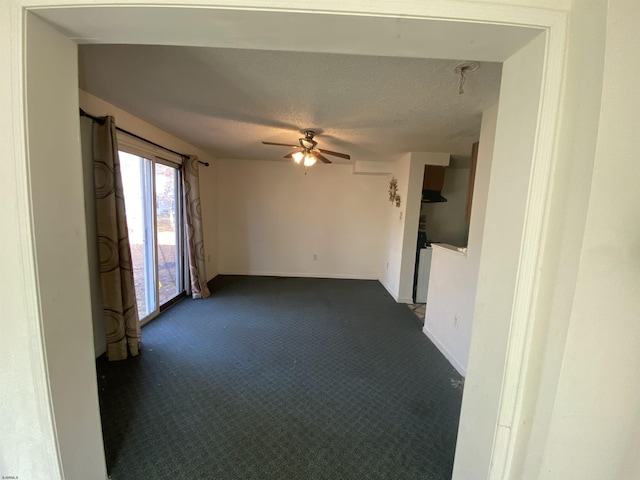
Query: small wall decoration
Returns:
{"type": "Point", "coordinates": [393, 189]}
{"type": "Point", "coordinates": [394, 197]}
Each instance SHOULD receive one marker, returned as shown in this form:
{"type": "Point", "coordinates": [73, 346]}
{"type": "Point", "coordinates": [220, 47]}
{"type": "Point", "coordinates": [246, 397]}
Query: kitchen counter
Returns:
{"type": "Point", "coordinates": [450, 248]}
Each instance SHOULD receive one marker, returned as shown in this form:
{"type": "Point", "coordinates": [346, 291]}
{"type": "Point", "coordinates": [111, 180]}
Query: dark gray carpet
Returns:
{"type": "Point", "coordinates": [282, 379]}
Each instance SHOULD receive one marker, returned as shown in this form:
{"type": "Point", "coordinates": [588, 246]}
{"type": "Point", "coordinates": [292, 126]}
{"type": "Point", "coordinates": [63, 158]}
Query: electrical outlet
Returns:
{"type": "Point", "coordinates": [456, 321]}
{"type": "Point", "coordinates": [400, 214]}
{"type": "Point", "coordinates": [315, 257]}
{"type": "Point", "coordinates": [208, 258]}
{"type": "Point", "coordinates": [387, 265]}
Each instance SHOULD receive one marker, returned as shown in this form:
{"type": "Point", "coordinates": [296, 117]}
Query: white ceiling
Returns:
{"type": "Point", "coordinates": [234, 77]}
{"type": "Point", "coordinates": [226, 101]}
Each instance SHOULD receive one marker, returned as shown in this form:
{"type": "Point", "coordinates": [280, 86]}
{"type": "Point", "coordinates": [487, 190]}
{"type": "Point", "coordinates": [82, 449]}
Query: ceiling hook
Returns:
{"type": "Point", "coordinates": [462, 70]}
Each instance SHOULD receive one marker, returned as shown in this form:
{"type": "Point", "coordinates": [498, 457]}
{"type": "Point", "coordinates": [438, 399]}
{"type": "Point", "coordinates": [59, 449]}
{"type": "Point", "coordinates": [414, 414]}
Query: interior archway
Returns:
{"type": "Point", "coordinates": [155, 25]}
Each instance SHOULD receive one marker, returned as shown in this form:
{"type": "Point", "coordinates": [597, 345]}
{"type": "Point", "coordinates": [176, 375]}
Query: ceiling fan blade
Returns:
{"type": "Point", "coordinates": [280, 144]}
{"type": "Point", "coordinates": [335, 154]}
{"type": "Point", "coordinates": [321, 158]}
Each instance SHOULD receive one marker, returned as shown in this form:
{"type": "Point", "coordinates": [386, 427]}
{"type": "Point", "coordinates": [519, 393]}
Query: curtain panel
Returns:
{"type": "Point", "coordinates": [116, 270]}
{"type": "Point", "coordinates": [193, 227]}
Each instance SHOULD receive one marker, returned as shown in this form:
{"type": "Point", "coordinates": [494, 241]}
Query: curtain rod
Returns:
{"type": "Point", "coordinates": [101, 121]}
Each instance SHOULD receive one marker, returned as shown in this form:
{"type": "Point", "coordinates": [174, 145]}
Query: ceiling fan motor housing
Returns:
{"type": "Point", "coordinates": [308, 143]}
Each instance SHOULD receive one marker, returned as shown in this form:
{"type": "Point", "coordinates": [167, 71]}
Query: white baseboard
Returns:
{"type": "Point", "coordinates": [393, 295]}
{"type": "Point", "coordinates": [303, 275]}
{"type": "Point", "coordinates": [447, 354]}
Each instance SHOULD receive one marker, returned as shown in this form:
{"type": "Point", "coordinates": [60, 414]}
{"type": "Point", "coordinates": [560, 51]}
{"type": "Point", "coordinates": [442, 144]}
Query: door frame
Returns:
{"type": "Point", "coordinates": [551, 22]}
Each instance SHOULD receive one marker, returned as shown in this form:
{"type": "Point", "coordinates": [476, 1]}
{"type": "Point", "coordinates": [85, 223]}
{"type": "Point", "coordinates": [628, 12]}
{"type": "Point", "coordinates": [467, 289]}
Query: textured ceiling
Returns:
{"type": "Point", "coordinates": [226, 101]}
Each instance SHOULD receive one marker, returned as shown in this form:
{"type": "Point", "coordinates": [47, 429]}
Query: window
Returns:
{"type": "Point", "coordinates": [152, 188]}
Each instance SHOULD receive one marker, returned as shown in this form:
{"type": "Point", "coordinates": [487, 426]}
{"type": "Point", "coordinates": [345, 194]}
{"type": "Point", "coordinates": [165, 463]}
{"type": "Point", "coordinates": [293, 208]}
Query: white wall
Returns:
{"type": "Point", "coordinates": [597, 404]}
{"type": "Point", "coordinates": [98, 107]}
{"type": "Point", "coordinates": [402, 223]}
{"type": "Point", "coordinates": [449, 309]}
{"type": "Point", "coordinates": [275, 216]}
{"type": "Point", "coordinates": [501, 247]}
{"type": "Point", "coordinates": [28, 441]}
{"type": "Point", "coordinates": [630, 462]}
{"type": "Point", "coordinates": [446, 221]}
{"type": "Point", "coordinates": [394, 229]}
{"type": "Point", "coordinates": [454, 276]}
{"type": "Point", "coordinates": [564, 232]}
{"type": "Point", "coordinates": [57, 193]}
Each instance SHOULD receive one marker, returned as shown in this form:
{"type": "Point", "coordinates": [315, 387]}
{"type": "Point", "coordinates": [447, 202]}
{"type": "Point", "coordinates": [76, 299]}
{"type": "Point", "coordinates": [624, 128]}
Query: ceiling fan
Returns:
{"type": "Point", "coordinates": [307, 153]}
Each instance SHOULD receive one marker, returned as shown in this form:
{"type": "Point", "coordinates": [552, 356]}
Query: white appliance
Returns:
{"type": "Point", "coordinates": [424, 266]}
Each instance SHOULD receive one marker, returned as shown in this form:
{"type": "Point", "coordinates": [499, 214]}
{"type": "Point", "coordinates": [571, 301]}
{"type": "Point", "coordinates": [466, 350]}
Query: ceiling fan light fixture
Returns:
{"type": "Point", "coordinates": [297, 157]}
{"type": "Point", "coordinates": [309, 160]}
{"type": "Point", "coordinates": [307, 153]}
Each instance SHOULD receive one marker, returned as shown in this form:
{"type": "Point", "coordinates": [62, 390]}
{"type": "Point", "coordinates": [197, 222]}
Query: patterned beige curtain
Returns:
{"type": "Point", "coordinates": [116, 272]}
{"type": "Point", "coordinates": [193, 224]}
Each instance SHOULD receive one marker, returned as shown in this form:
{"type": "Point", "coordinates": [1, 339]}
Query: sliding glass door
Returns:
{"type": "Point", "coordinates": [152, 194]}
{"type": "Point", "coordinates": [168, 233]}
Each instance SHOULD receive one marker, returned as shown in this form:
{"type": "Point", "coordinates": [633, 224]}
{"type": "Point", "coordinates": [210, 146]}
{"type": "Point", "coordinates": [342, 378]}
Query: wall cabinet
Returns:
{"type": "Point", "coordinates": [433, 178]}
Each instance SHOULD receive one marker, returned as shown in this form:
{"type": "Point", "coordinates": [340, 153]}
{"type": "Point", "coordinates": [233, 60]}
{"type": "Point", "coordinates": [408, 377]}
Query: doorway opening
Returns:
{"type": "Point", "coordinates": [535, 211]}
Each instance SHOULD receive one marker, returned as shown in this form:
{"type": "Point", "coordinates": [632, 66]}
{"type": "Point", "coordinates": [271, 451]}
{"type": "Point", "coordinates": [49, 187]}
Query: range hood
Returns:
{"type": "Point", "coordinates": [432, 184]}
{"type": "Point", "coordinates": [432, 196]}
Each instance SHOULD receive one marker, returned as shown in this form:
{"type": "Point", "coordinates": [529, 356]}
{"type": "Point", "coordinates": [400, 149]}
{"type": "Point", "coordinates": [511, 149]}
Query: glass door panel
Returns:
{"type": "Point", "coordinates": [168, 232]}
{"type": "Point", "coordinates": [137, 186]}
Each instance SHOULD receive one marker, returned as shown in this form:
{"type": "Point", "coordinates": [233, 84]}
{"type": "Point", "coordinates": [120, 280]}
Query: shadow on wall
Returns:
{"type": "Point", "coordinates": [445, 221]}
